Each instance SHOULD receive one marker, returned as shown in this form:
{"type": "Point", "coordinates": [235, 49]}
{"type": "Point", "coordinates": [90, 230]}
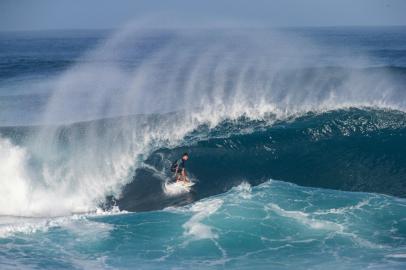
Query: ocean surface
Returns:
{"type": "Point", "coordinates": [296, 137]}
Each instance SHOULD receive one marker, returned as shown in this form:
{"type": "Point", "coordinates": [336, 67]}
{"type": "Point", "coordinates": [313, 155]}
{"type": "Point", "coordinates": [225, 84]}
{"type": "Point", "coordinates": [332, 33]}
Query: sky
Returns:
{"type": "Point", "coordinates": [107, 14]}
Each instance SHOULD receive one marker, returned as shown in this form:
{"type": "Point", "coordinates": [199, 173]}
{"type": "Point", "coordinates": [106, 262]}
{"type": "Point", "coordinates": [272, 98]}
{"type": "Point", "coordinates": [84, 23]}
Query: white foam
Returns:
{"type": "Point", "coordinates": [176, 188]}
{"type": "Point", "coordinates": [194, 227]}
{"type": "Point", "coordinates": [305, 219]}
{"type": "Point", "coordinates": [244, 190]}
{"type": "Point", "coordinates": [343, 210]}
{"type": "Point", "coordinates": [397, 256]}
{"type": "Point", "coordinates": [14, 179]}
{"type": "Point", "coordinates": [78, 223]}
{"type": "Point", "coordinates": [23, 194]}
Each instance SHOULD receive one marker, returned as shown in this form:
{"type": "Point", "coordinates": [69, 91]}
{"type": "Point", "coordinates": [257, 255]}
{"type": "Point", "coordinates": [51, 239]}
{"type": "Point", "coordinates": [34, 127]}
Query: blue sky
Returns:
{"type": "Point", "coordinates": [89, 14]}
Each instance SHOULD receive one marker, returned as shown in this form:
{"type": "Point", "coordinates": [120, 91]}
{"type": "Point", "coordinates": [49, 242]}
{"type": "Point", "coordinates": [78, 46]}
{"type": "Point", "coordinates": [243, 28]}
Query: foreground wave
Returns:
{"type": "Point", "coordinates": [273, 225]}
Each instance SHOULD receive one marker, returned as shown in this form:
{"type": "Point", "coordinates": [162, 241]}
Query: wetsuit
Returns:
{"type": "Point", "coordinates": [180, 163]}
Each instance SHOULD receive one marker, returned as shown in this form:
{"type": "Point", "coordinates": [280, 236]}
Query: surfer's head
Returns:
{"type": "Point", "coordinates": [185, 156]}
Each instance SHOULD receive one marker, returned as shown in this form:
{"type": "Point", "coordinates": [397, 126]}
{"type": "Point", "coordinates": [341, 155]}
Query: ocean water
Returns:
{"type": "Point", "coordinates": [297, 142]}
{"type": "Point", "coordinates": [275, 225]}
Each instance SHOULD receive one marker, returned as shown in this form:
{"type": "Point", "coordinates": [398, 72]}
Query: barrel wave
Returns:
{"type": "Point", "coordinates": [354, 150]}
{"type": "Point", "coordinates": [296, 149]}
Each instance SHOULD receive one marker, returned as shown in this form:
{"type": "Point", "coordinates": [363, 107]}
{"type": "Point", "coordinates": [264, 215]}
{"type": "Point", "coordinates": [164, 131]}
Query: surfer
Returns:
{"type": "Point", "coordinates": [178, 167]}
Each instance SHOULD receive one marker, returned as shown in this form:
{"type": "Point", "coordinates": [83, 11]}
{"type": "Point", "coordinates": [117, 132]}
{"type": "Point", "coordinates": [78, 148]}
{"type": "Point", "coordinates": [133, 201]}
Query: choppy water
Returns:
{"type": "Point", "coordinates": [271, 226]}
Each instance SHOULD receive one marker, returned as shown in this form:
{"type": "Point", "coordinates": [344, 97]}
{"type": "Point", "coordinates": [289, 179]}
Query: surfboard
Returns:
{"type": "Point", "coordinates": [187, 184]}
{"type": "Point", "coordinates": [177, 188]}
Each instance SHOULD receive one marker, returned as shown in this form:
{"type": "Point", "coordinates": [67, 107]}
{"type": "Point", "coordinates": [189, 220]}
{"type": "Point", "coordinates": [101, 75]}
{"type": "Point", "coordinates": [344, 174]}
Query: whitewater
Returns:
{"type": "Point", "coordinates": [296, 140]}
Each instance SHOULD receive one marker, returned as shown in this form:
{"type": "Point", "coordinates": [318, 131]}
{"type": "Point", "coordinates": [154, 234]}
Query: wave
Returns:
{"type": "Point", "coordinates": [275, 221]}
{"type": "Point", "coordinates": [354, 150]}
{"type": "Point", "coordinates": [188, 89]}
{"type": "Point", "coordinates": [351, 149]}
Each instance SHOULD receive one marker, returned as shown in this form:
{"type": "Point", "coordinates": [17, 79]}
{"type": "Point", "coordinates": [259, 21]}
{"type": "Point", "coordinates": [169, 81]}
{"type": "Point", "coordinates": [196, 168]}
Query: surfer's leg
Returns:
{"type": "Point", "coordinates": [182, 178]}
{"type": "Point", "coordinates": [178, 177]}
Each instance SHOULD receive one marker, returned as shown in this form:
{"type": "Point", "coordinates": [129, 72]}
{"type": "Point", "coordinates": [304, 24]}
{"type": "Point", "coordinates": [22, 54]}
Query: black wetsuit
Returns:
{"type": "Point", "coordinates": [180, 165]}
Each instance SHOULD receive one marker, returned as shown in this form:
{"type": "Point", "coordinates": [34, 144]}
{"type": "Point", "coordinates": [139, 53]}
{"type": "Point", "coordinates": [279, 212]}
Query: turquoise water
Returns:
{"type": "Point", "coordinates": [271, 226]}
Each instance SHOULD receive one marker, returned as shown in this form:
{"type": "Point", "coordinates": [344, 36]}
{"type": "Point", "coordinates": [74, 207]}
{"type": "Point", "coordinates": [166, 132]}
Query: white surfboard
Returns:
{"type": "Point", "coordinates": [177, 188]}
{"type": "Point", "coordinates": [187, 184]}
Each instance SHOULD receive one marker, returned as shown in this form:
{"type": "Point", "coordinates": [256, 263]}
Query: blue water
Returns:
{"type": "Point", "coordinates": [90, 122]}
{"type": "Point", "coordinates": [275, 225]}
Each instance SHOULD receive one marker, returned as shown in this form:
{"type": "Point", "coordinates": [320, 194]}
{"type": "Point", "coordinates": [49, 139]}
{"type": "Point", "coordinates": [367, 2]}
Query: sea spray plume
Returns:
{"type": "Point", "coordinates": [209, 70]}
{"type": "Point", "coordinates": [202, 77]}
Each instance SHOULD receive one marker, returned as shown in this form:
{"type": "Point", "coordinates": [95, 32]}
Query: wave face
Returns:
{"type": "Point", "coordinates": [273, 225]}
{"type": "Point", "coordinates": [354, 150]}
